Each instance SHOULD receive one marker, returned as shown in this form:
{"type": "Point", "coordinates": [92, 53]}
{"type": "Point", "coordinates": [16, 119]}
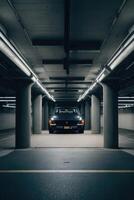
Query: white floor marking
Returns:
{"type": "Point", "coordinates": [66, 171]}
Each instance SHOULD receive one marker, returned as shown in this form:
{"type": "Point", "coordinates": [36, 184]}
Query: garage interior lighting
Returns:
{"type": "Point", "coordinates": [126, 100]}
{"type": "Point", "coordinates": [125, 49]}
{"type": "Point", "coordinates": [125, 97]}
{"type": "Point", "coordinates": [7, 97]}
{"type": "Point", "coordinates": [7, 100]}
{"type": "Point", "coordinates": [9, 50]}
{"type": "Point", "coordinates": [44, 89]}
{"type": "Point", "coordinates": [9, 106]}
{"type": "Point", "coordinates": [86, 92]}
{"type": "Point", "coordinates": [125, 106]}
{"type": "Point", "coordinates": [102, 75]}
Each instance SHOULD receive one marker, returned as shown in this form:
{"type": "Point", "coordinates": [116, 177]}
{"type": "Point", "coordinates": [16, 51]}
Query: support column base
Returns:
{"type": "Point", "coordinates": [95, 132]}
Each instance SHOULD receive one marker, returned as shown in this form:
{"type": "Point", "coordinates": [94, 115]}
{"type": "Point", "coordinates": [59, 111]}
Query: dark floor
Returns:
{"type": "Point", "coordinates": [67, 173]}
{"type": "Point", "coordinates": [55, 175]}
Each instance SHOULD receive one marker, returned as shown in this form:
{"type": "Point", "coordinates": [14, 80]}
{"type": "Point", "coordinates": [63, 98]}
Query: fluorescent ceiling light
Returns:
{"type": "Point", "coordinates": [126, 100]}
{"type": "Point", "coordinates": [13, 55]}
{"type": "Point", "coordinates": [7, 97]}
{"type": "Point", "coordinates": [11, 104]}
{"type": "Point", "coordinates": [122, 53]}
{"type": "Point", "coordinates": [7, 100]}
{"type": "Point", "coordinates": [126, 47]}
{"type": "Point", "coordinates": [8, 106]}
{"type": "Point", "coordinates": [101, 76]}
{"type": "Point", "coordinates": [86, 92]}
{"type": "Point", "coordinates": [126, 106]}
{"type": "Point", "coordinates": [9, 50]}
{"type": "Point", "coordinates": [125, 97]}
{"type": "Point", "coordinates": [43, 88]}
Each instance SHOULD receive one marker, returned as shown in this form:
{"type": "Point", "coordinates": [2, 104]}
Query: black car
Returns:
{"type": "Point", "coordinates": [66, 119]}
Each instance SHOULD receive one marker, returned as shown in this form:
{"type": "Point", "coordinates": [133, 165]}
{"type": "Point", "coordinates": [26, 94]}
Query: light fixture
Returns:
{"type": "Point", "coordinates": [86, 92]}
{"type": "Point", "coordinates": [10, 51]}
{"type": "Point", "coordinates": [126, 97]}
{"type": "Point", "coordinates": [45, 90]}
{"type": "Point", "coordinates": [7, 97]}
{"type": "Point", "coordinates": [125, 106]}
{"type": "Point", "coordinates": [7, 100]}
{"type": "Point", "coordinates": [126, 47]}
{"type": "Point", "coordinates": [9, 106]}
{"type": "Point", "coordinates": [101, 76]}
{"type": "Point", "coordinates": [126, 100]}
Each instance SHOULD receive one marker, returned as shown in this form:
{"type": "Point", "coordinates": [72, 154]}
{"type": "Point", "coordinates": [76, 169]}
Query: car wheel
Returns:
{"type": "Point", "coordinates": [81, 131]}
{"type": "Point", "coordinates": [51, 131]}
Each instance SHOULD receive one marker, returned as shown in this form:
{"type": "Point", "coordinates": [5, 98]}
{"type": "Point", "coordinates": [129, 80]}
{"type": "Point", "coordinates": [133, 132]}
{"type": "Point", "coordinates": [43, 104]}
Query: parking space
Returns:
{"type": "Point", "coordinates": [67, 140]}
{"type": "Point", "coordinates": [67, 173]}
{"type": "Point", "coordinates": [74, 140]}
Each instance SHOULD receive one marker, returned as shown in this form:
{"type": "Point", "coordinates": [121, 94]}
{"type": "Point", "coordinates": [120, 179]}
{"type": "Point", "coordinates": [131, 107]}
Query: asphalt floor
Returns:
{"type": "Point", "coordinates": [67, 174]}
{"type": "Point", "coordinates": [47, 173]}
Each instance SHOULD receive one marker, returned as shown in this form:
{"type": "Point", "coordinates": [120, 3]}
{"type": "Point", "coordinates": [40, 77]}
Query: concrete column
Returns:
{"type": "Point", "coordinates": [23, 114]}
{"type": "Point", "coordinates": [95, 114]}
{"type": "Point", "coordinates": [82, 110]}
{"type": "Point", "coordinates": [110, 111]}
{"type": "Point", "coordinates": [37, 114]}
{"type": "Point", "coordinates": [87, 115]}
{"type": "Point", "coordinates": [51, 108]}
{"type": "Point", "coordinates": [45, 115]}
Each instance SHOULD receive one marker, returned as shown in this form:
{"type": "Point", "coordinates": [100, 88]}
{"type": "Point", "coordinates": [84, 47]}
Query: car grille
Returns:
{"type": "Point", "coordinates": [66, 122]}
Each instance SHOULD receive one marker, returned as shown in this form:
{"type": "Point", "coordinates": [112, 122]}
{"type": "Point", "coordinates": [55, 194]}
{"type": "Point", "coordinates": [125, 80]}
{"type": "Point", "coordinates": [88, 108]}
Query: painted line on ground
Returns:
{"type": "Point", "coordinates": [67, 171]}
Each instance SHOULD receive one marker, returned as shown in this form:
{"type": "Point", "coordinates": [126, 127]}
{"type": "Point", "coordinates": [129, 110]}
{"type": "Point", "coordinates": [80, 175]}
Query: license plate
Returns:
{"type": "Point", "coordinates": [66, 127]}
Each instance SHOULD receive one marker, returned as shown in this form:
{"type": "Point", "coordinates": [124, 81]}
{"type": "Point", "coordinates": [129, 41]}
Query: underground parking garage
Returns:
{"type": "Point", "coordinates": [66, 60]}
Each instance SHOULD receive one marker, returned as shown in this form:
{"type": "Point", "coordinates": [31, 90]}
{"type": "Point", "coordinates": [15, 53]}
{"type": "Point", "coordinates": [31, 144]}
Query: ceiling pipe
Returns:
{"type": "Point", "coordinates": [125, 49]}
{"type": "Point", "coordinates": [10, 51]}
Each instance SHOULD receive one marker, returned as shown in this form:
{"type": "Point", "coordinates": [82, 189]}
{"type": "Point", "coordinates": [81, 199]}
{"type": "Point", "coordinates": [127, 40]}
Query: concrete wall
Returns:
{"type": "Point", "coordinates": [126, 119]}
{"type": "Point", "coordinates": [7, 119]}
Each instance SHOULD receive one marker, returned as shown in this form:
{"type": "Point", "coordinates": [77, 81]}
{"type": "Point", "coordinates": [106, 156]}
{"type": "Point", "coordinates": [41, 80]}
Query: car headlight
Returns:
{"type": "Point", "coordinates": [81, 122]}
{"type": "Point", "coordinates": [52, 122]}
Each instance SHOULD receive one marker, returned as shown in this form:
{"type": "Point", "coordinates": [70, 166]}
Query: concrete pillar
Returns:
{"type": "Point", "coordinates": [37, 114]}
{"type": "Point", "coordinates": [45, 115]}
{"type": "Point", "coordinates": [110, 111]}
{"type": "Point", "coordinates": [95, 114]}
{"type": "Point", "coordinates": [23, 114]}
{"type": "Point", "coordinates": [87, 115]}
{"type": "Point", "coordinates": [82, 110]}
{"type": "Point", "coordinates": [51, 108]}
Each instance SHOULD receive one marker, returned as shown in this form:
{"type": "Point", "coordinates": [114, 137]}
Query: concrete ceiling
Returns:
{"type": "Point", "coordinates": [66, 42]}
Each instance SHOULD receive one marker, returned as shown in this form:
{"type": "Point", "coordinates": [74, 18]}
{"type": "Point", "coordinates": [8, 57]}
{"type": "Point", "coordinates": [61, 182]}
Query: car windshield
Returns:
{"type": "Point", "coordinates": [66, 110]}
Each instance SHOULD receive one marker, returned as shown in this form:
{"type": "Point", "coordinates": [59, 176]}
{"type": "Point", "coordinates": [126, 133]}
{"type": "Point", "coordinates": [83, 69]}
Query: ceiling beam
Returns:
{"type": "Point", "coordinates": [68, 82]}
{"type": "Point", "coordinates": [53, 61]}
{"type": "Point", "coordinates": [73, 45]}
{"type": "Point", "coordinates": [66, 25]}
{"type": "Point", "coordinates": [70, 62]}
{"type": "Point", "coordinates": [67, 78]}
{"type": "Point", "coordinates": [66, 33]}
{"type": "Point", "coordinates": [86, 45]}
{"type": "Point", "coordinates": [48, 42]}
{"type": "Point", "coordinates": [81, 61]}
{"type": "Point", "coordinates": [68, 88]}
{"type": "Point", "coordinates": [65, 92]}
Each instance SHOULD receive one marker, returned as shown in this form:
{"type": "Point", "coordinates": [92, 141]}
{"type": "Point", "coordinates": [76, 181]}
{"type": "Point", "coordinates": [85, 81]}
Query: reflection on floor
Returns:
{"type": "Point", "coordinates": [67, 174]}
{"type": "Point", "coordinates": [126, 140]}
{"type": "Point", "coordinates": [67, 140]}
